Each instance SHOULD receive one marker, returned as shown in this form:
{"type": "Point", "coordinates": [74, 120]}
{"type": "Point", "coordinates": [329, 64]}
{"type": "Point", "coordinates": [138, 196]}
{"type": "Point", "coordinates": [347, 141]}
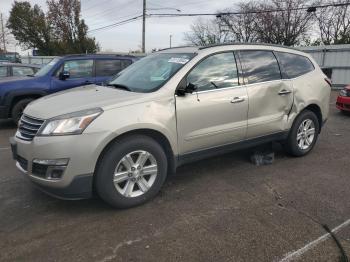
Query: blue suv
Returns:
{"type": "Point", "coordinates": [60, 74]}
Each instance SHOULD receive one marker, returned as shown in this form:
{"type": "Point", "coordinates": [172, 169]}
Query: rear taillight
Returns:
{"type": "Point", "coordinates": [329, 82]}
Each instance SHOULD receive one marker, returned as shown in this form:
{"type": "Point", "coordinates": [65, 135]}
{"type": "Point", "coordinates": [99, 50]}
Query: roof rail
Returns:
{"type": "Point", "coordinates": [81, 55]}
{"type": "Point", "coordinates": [183, 46]}
{"type": "Point", "coordinates": [245, 43]}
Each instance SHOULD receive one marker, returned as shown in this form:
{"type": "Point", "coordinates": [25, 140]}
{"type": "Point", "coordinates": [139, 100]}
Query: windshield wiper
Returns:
{"type": "Point", "coordinates": [215, 85]}
{"type": "Point", "coordinates": [120, 86]}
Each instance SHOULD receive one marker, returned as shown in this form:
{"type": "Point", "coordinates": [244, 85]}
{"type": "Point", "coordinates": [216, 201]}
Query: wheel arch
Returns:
{"type": "Point", "coordinates": [152, 133]}
{"type": "Point", "coordinates": [15, 98]}
{"type": "Point", "coordinates": [317, 111]}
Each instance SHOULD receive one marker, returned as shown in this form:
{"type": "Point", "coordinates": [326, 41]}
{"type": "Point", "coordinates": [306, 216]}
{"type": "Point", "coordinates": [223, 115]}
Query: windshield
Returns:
{"type": "Point", "coordinates": [152, 72]}
{"type": "Point", "coordinates": [44, 70]}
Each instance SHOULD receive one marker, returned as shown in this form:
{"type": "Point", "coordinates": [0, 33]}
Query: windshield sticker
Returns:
{"type": "Point", "coordinates": [178, 60]}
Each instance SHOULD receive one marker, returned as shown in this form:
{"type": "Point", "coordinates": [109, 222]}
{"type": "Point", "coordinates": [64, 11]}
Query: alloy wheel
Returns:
{"type": "Point", "coordinates": [135, 173]}
{"type": "Point", "coordinates": [306, 134]}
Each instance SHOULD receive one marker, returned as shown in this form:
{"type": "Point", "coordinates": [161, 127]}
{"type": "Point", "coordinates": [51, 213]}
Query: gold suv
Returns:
{"type": "Point", "coordinates": [169, 108]}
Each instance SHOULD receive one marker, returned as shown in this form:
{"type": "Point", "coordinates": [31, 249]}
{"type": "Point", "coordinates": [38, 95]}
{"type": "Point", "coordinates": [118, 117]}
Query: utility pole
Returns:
{"type": "Point", "coordinates": [3, 33]}
{"type": "Point", "coordinates": [143, 26]}
{"type": "Point", "coordinates": [170, 36]}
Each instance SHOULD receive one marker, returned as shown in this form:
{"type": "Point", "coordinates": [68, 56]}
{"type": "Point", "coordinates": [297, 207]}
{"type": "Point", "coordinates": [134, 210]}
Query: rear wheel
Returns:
{"type": "Point", "coordinates": [303, 134]}
{"type": "Point", "coordinates": [131, 171]}
{"type": "Point", "coordinates": [18, 109]}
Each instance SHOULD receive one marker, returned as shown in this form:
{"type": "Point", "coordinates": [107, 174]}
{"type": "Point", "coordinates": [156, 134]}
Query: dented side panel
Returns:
{"type": "Point", "coordinates": [310, 89]}
{"type": "Point", "coordinates": [268, 109]}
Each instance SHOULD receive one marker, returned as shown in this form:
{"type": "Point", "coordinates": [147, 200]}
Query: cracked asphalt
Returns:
{"type": "Point", "coordinates": [220, 209]}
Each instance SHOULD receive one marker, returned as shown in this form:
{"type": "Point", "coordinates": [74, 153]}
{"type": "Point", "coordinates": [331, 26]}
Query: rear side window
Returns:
{"type": "Point", "coordinates": [260, 66]}
{"type": "Point", "coordinates": [294, 65]}
{"type": "Point", "coordinates": [22, 71]}
{"type": "Point", "coordinates": [110, 67]}
{"type": "Point", "coordinates": [3, 71]}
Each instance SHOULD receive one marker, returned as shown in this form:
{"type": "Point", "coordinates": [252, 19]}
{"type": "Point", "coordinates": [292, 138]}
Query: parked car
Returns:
{"type": "Point", "coordinates": [15, 69]}
{"type": "Point", "coordinates": [343, 100]}
{"type": "Point", "coordinates": [60, 74]}
{"type": "Point", "coordinates": [12, 57]}
{"type": "Point", "coordinates": [172, 107]}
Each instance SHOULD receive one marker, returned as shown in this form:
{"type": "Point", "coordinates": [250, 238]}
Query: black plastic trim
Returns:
{"type": "Point", "coordinates": [209, 152]}
{"type": "Point", "coordinates": [79, 188]}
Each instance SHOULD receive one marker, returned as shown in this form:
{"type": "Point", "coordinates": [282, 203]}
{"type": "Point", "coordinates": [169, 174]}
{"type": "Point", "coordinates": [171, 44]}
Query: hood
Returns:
{"type": "Point", "coordinates": [81, 98]}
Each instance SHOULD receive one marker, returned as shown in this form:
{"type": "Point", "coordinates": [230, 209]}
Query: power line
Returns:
{"type": "Point", "coordinates": [116, 24]}
{"type": "Point", "coordinates": [308, 8]}
{"type": "Point", "coordinates": [218, 14]}
{"type": "Point", "coordinates": [100, 23]}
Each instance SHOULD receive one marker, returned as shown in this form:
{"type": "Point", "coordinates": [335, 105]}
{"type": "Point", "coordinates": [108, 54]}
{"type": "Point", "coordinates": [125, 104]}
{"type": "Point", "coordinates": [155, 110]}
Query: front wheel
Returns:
{"type": "Point", "coordinates": [131, 171]}
{"type": "Point", "coordinates": [303, 134]}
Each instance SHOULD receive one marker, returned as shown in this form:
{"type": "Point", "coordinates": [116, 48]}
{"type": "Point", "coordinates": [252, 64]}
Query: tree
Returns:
{"type": "Point", "coordinates": [60, 31]}
{"type": "Point", "coordinates": [68, 28]}
{"type": "Point", "coordinates": [334, 23]}
{"type": "Point", "coordinates": [270, 21]}
{"type": "Point", "coordinates": [30, 28]}
{"type": "Point", "coordinates": [206, 32]}
{"type": "Point", "coordinates": [241, 27]}
{"type": "Point", "coordinates": [288, 27]}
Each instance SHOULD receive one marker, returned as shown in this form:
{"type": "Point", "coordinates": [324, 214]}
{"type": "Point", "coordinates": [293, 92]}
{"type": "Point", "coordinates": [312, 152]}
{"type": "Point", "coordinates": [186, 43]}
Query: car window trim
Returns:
{"type": "Point", "coordinates": [216, 89]}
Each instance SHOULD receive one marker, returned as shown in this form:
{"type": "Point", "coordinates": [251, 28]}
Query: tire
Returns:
{"type": "Point", "coordinates": [293, 145]}
{"type": "Point", "coordinates": [18, 109]}
{"type": "Point", "coordinates": [115, 157]}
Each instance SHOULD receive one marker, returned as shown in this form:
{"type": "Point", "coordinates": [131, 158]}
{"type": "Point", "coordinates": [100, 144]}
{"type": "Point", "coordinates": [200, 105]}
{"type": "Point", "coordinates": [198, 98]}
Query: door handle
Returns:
{"type": "Point", "coordinates": [237, 100]}
{"type": "Point", "coordinates": [284, 92]}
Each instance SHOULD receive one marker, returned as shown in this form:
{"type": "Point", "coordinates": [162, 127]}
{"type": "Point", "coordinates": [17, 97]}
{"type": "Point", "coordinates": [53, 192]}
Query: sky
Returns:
{"type": "Point", "coordinates": [127, 37]}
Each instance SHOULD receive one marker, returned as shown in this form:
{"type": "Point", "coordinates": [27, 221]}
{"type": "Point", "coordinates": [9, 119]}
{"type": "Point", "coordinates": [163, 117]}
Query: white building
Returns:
{"type": "Point", "coordinates": [334, 61]}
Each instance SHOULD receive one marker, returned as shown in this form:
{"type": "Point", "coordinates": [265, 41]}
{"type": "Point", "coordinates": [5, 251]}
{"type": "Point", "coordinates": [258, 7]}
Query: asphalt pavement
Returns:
{"type": "Point", "coordinates": [220, 209]}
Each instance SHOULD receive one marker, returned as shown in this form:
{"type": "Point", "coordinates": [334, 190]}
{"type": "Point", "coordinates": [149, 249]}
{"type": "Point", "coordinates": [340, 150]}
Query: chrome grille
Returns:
{"type": "Point", "coordinates": [28, 127]}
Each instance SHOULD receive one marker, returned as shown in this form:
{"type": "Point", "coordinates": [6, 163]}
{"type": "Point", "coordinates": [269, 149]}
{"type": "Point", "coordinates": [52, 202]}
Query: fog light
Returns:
{"type": "Point", "coordinates": [52, 169]}
{"type": "Point", "coordinates": [55, 172]}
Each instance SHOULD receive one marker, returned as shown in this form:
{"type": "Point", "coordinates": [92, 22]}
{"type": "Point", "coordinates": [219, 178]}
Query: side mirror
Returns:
{"type": "Point", "coordinates": [185, 87]}
{"type": "Point", "coordinates": [63, 75]}
{"type": "Point", "coordinates": [190, 88]}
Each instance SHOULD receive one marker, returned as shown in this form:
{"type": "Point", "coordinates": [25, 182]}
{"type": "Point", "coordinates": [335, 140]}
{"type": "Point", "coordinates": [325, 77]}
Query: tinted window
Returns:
{"type": "Point", "coordinates": [216, 71]}
{"type": "Point", "coordinates": [294, 65]}
{"type": "Point", "coordinates": [260, 66]}
{"type": "Point", "coordinates": [110, 67]}
{"type": "Point", "coordinates": [3, 71]}
{"type": "Point", "coordinates": [22, 71]}
{"type": "Point", "coordinates": [78, 68]}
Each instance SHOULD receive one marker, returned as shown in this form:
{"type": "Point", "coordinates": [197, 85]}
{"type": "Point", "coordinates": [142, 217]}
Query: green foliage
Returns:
{"type": "Point", "coordinates": [60, 31]}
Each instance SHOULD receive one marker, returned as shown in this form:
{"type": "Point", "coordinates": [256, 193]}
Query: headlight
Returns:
{"type": "Point", "coordinates": [343, 92]}
{"type": "Point", "coordinates": [70, 124]}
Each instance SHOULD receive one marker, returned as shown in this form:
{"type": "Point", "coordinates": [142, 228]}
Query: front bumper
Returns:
{"type": "Point", "coordinates": [343, 103]}
{"type": "Point", "coordinates": [77, 179]}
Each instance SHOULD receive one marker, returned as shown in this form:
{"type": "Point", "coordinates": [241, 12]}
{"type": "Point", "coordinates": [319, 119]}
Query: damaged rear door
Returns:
{"type": "Point", "coordinates": [270, 97]}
